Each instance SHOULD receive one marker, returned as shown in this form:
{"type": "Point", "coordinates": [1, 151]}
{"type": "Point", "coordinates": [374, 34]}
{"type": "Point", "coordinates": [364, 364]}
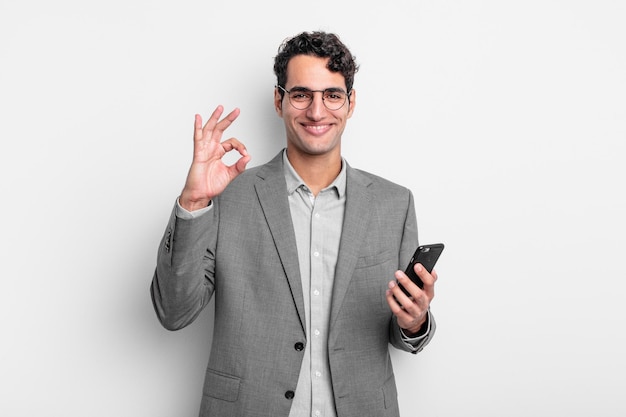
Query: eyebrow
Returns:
{"type": "Point", "coordinates": [331, 89]}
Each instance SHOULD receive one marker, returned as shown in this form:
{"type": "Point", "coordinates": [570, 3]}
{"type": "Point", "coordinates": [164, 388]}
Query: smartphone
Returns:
{"type": "Point", "coordinates": [426, 255]}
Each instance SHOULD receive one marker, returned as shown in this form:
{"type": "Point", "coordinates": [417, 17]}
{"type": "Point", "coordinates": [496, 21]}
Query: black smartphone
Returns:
{"type": "Point", "coordinates": [426, 255]}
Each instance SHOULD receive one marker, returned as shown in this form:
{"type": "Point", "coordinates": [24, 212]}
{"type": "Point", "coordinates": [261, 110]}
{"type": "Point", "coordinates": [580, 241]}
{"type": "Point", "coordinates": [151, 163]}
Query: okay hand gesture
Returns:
{"type": "Point", "coordinates": [208, 175]}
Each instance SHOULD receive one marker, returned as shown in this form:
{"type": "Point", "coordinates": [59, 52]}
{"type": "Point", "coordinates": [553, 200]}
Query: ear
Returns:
{"type": "Point", "coordinates": [278, 102]}
{"type": "Point", "coordinates": [352, 103]}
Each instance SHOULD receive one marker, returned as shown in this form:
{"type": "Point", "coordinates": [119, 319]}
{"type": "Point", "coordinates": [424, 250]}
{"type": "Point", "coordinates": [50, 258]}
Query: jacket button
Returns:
{"type": "Point", "coordinates": [299, 346]}
{"type": "Point", "coordinates": [290, 394]}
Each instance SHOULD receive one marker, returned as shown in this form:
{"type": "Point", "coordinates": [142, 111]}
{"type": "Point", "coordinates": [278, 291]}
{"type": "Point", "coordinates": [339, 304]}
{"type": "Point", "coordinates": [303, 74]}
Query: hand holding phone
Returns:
{"type": "Point", "coordinates": [426, 255]}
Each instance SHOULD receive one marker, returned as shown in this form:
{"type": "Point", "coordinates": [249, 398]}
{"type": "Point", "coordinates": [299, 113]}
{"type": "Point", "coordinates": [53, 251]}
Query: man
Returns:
{"type": "Point", "coordinates": [300, 254]}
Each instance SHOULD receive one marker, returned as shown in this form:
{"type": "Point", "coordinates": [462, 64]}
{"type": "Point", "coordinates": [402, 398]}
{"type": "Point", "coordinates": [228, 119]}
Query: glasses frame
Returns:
{"type": "Point", "coordinates": [336, 90]}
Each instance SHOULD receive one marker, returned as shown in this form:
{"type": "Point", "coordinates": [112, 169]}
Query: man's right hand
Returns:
{"type": "Point", "coordinates": [208, 175]}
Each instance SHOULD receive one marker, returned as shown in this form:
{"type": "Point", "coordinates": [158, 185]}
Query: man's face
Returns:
{"type": "Point", "coordinates": [315, 130]}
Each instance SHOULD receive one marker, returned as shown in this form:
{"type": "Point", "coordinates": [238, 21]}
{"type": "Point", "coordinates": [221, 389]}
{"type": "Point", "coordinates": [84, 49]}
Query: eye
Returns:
{"type": "Point", "coordinates": [301, 95]}
{"type": "Point", "coordinates": [334, 95]}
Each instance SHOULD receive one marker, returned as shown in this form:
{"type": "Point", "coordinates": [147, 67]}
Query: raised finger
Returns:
{"type": "Point", "coordinates": [197, 128]}
{"type": "Point", "coordinates": [201, 131]}
{"type": "Point", "coordinates": [223, 124]}
{"type": "Point", "coordinates": [215, 127]}
{"type": "Point", "coordinates": [213, 119]}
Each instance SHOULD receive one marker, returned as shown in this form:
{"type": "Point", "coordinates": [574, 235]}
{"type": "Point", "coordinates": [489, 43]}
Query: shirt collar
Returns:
{"type": "Point", "coordinates": [294, 181]}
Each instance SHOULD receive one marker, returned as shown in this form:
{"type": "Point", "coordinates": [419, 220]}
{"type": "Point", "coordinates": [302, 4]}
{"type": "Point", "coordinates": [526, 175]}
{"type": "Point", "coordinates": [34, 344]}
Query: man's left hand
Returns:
{"type": "Point", "coordinates": [411, 311]}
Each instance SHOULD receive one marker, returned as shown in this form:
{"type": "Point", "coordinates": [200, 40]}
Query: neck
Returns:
{"type": "Point", "coordinates": [317, 171]}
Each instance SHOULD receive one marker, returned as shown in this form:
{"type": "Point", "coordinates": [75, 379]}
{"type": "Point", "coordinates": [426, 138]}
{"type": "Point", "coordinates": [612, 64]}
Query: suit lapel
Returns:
{"type": "Point", "coordinates": [355, 223]}
{"type": "Point", "coordinates": [271, 190]}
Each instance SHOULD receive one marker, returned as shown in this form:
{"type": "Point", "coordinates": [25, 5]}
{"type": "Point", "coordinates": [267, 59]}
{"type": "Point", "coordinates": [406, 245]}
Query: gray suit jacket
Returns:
{"type": "Point", "coordinates": [244, 253]}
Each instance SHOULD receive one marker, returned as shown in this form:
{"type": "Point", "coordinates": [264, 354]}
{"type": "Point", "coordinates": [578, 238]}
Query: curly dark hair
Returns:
{"type": "Point", "coordinates": [320, 44]}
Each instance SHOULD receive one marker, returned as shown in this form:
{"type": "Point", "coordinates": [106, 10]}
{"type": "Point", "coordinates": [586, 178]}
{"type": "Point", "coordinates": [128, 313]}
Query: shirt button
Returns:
{"type": "Point", "coordinates": [317, 215]}
{"type": "Point", "coordinates": [318, 374]}
{"type": "Point", "coordinates": [290, 394]}
{"type": "Point", "coordinates": [316, 292]}
{"type": "Point", "coordinates": [317, 332]}
{"type": "Point", "coordinates": [316, 254]}
{"type": "Point", "coordinates": [299, 346]}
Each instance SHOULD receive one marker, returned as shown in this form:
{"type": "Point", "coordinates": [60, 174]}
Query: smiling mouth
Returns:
{"type": "Point", "coordinates": [317, 129]}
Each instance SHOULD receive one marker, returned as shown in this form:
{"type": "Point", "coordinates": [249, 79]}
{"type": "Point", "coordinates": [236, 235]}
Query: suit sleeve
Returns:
{"type": "Point", "coordinates": [183, 281]}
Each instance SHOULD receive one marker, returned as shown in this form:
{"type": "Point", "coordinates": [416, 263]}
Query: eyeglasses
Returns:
{"type": "Point", "coordinates": [301, 98]}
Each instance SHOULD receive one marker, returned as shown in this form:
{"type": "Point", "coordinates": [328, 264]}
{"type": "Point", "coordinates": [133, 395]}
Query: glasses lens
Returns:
{"type": "Point", "coordinates": [301, 99]}
{"type": "Point", "coordinates": [334, 100]}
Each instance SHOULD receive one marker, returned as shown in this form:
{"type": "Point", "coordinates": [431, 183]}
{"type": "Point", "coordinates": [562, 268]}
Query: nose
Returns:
{"type": "Point", "coordinates": [317, 108]}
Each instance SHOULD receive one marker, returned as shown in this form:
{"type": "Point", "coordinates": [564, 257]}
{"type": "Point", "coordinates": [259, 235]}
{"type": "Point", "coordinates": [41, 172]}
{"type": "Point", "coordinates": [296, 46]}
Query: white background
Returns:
{"type": "Point", "coordinates": [505, 118]}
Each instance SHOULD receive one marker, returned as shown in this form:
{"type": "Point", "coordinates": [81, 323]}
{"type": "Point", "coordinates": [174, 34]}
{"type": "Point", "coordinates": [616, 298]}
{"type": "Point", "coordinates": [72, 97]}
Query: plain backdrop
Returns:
{"type": "Point", "coordinates": [505, 118]}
